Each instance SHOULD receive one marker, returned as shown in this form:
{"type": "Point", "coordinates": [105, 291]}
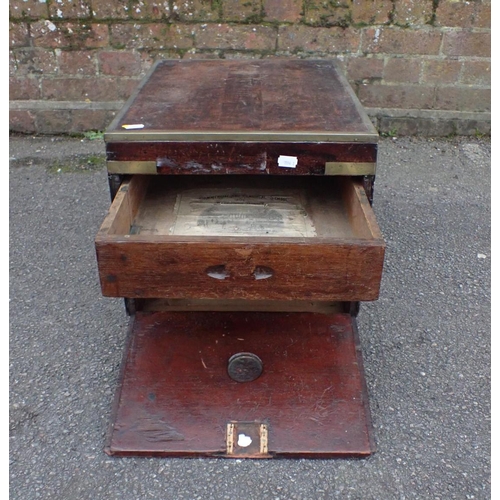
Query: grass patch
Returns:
{"type": "Point", "coordinates": [390, 133]}
{"type": "Point", "coordinates": [78, 164]}
{"type": "Point", "coordinates": [94, 135]}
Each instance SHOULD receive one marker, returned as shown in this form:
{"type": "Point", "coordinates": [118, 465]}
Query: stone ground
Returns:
{"type": "Point", "coordinates": [426, 341]}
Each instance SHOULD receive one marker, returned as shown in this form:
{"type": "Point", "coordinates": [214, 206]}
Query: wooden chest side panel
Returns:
{"type": "Point", "coordinates": [145, 269]}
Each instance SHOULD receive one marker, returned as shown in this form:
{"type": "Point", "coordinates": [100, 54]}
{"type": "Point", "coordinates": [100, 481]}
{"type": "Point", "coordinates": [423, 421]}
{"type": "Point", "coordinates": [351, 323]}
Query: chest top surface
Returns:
{"type": "Point", "coordinates": [272, 100]}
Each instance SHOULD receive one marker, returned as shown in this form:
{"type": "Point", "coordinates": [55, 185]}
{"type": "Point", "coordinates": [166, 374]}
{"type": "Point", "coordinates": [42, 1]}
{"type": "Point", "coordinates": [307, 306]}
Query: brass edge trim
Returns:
{"type": "Point", "coordinates": [355, 100]}
{"type": "Point", "coordinates": [264, 439]}
{"type": "Point", "coordinates": [131, 167]}
{"type": "Point", "coordinates": [230, 439]}
{"type": "Point", "coordinates": [249, 136]}
{"type": "Point", "coordinates": [350, 168]}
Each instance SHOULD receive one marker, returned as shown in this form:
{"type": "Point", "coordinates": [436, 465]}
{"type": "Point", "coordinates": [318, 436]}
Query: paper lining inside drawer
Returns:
{"type": "Point", "coordinates": [237, 212]}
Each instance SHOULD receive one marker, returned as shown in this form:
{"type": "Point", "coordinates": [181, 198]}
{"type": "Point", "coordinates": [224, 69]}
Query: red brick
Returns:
{"type": "Point", "coordinates": [83, 120]}
{"type": "Point", "coordinates": [463, 14]}
{"type": "Point", "coordinates": [463, 99]}
{"type": "Point", "coordinates": [327, 40]}
{"type": "Point", "coordinates": [476, 73]}
{"type": "Point", "coordinates": [371, 11]}
{"type": "Point", "coordinates": [402, 70]}
{"type": "Point", "coordinates": [53, 122]}
{"type": "Point", "coordinates": [77, 62]}
{"type": "Point", "coordinates": [412, 12]}
{"type": "Point", "coordinates": [34, 9]}
{"type": "Point", "coordinates": [111, 9]}
{"type": "Point", "coordinates": [12, 63]}
{"type": "Point", "coordinates": [396, 96]}
{"type": "Point", "coordinates": [151, 36]}
{"type": "Point", "coordinates": [148, 58]}
{"type": "Point", "coordinates": [362, 68]}
{"type": "Point", "coordinates": [234, 37]}
{"type": "Point", "coordinates": [18, 35]}
{"type": "Point", "coordinates": [235, 10]}
{"type": "Point", "coordinates": [120, 63]}
{"type": "Point", "coordinates": [483, 16]}
{"type": "Point", "coordinates": [36, 61]}
{"type": "Point", "coordinates": [95, 36]}
{"type": "Point", "coordinates": [22, 89]}
{"type": "Point", "coordinates": [401, 41]}
{"type": "Point", "coordinates": [95, 89]}
{"type": "Point", "coordinates": [150, 9]}
{"type": "Point", "coordinates": [441, 71]}
{"type": "Point", "coordinates": [282, 10]}
{"type": "Point", "coordinates": [466, 43]}
{"type": "Point", "coordinates": [324, 13]}
{"type": "Point", "coordinates": [76, 9]}
{"type": "Point", "coordinates": [49, 35]}
{"type": "Point", "coordinates": [21, 121]}
{"type": "Point", "coordinates": [69, 35]}
{"type": "Point", "coordinates": [195, 10]}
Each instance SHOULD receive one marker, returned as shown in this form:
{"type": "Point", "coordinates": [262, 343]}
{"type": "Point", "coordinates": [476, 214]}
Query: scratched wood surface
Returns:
{"type": "Point", "coordinates": [175, 396]}
{"type": "Point", "coordinates": [341, 260]}
{"type": "Point", "coordinates": [300, 108]}
{"type": "Point", "coordinates": [268, 95]}
{"type": "Point", "coordinates": [220, 158]}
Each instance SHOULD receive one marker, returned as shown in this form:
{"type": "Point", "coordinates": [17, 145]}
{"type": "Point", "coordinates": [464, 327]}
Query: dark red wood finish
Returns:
{"type": "Point", "coordinates": [175, 269]}
{"type": "Point", "coordinates": [240, 157]}
{"type": "Point", "coordinates": [345, 268]}
{"type": "Point", "coordinates": [272, 95]}
{"type": "Point", "coordinates": [175, 396]}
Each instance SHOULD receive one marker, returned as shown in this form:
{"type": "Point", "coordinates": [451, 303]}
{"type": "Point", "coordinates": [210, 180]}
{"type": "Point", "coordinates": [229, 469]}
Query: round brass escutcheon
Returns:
{"type": "Point", "coordinates": [244, 367]}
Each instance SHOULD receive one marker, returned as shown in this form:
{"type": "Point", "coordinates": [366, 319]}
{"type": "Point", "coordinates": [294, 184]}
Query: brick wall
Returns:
{"type": "Point", "coordinates": [418, 66]}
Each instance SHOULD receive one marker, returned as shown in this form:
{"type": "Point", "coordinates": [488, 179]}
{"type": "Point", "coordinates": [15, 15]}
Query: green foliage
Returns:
{"type": "Point", "coordinates": [393, 132]}
{"type": "Point", "coordinates": [93, 135]}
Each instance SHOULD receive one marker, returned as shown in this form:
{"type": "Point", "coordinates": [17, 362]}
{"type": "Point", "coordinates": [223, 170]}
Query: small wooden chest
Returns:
{"type": "Point", "coordinates": [242, 237]}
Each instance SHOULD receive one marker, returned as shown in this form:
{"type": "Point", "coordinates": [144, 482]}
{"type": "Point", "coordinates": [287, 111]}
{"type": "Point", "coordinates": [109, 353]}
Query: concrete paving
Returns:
{"type": "Point", "coordinates": [426, 341]}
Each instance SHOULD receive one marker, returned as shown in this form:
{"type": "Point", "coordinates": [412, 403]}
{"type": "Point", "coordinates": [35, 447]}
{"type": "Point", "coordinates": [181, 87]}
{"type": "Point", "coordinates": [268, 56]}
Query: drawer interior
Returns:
{"type": "Point", "coordinates": [248, 207]}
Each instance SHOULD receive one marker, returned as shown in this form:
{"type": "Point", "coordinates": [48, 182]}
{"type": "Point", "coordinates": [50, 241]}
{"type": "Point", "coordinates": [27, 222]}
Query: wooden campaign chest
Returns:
{"type": "Point", "coordinates": [242, 237]}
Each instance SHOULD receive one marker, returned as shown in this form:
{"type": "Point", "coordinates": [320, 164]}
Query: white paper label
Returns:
{"type": "Point", "coordinates": [287, 161]}
{"type": "Point", "coordinates": [244, 440]}
{"type": "Point", "coordinates": [133, 126]}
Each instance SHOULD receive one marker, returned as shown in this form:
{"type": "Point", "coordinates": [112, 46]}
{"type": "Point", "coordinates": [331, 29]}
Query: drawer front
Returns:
{"type": "Point", "coordinates": [337, 255]}
{"type": "Point", "coordinates": [143, 269]}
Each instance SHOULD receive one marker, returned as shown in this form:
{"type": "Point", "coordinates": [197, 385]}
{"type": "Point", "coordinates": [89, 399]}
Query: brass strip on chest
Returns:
{"type": "Point", "coordinates": [131, 167]}
{"type": "Point", "coordinates": [331, 168]}
{"type": "Point", "coordinates": [350, 168]}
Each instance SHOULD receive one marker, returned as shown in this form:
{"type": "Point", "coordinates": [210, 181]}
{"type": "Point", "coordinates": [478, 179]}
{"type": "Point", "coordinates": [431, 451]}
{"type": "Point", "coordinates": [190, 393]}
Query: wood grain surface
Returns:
{"type": "Point", "coordinates": [337, 265]}
{"type": "Point", "coordinates": [175, 397]}
{"type": "Point", "coordinates": [281, 95]}
{"type": "Point", "coordinates": [220, 158]}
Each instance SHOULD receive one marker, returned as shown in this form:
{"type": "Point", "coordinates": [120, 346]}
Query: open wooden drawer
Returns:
{"type": "Point", "coordinates": [241, 237]}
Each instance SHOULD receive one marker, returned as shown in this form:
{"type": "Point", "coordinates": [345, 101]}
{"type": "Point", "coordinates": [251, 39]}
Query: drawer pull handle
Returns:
{"type": "Point", "coordinates": [221, 273]}
{"type": "Point", "coordinates": [217, 272]}
{"type": "Point", "coordinates": [262, 273]}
